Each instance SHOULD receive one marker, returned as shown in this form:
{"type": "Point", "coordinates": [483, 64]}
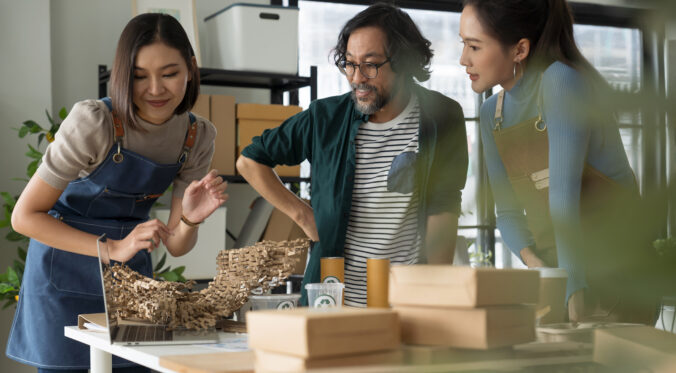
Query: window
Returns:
{"type": "Point", "coordinates": [615, 52]}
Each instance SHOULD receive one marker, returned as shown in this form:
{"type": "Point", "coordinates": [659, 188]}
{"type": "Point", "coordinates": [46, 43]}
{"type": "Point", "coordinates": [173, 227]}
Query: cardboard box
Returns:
{"type": "Point", "coordinates": [202, 106]}
{"type": "Point", "coordinates": [451, 286]}
{"type": "Point", "coordinates": [274, 362]}
{"type": "Point", "coordinates": [476, 328]}
{"type": "Point", "coordinates": [282, 228]}
{"type": "Point", "coordinates": [323, 332]}
{"type": "Point", "coordinates": [222, 111]}
{"type": "Point", "coordinates": [253, 119]}
{"type": "Point", "coordinates": [636, 349]}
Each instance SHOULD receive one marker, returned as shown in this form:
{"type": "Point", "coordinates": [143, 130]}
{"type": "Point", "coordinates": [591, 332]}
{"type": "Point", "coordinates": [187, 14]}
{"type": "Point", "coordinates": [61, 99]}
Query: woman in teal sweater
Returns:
{"type": "Point", "coordinates": [557, 167]}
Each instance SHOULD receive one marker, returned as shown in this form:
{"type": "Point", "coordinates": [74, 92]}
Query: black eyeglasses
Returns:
{"type": "Point", "coordinates": [368, 69]}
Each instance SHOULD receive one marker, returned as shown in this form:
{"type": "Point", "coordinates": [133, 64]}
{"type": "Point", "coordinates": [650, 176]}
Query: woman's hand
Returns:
{"type": "Point", "coordinates": [531, 260]}
{"type": "Point", "coordinates": [147, 235]}
{"type": "Point", "coordinates": [203, 197]}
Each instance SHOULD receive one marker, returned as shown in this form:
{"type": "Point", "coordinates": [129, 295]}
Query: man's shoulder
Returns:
{"type": "Point", "coordinates": [332, 103]}
{"type": "Point", "coordinates": [436, 101]}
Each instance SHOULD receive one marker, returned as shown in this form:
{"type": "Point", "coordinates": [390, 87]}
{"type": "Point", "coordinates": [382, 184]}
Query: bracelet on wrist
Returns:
{"type": "Point", "coordinates": [188, 222]}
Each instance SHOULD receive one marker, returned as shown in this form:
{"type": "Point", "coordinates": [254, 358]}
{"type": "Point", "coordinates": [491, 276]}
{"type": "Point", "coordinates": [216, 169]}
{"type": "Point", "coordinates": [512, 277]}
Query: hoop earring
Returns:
{"type": "Point", "coordinates": [514, 71]}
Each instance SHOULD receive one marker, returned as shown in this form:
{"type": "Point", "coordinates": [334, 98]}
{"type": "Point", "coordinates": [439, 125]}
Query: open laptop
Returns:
{"type": "Point", "coordinates": [147, 334]}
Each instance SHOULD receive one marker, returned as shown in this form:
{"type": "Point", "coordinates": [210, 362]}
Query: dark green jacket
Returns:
{"type": "Point", "coordinates": [324, 135]}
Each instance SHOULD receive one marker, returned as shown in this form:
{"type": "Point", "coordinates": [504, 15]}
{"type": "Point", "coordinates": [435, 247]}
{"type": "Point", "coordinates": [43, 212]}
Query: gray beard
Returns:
{"type": "Point", "coordinates": [369, 108]}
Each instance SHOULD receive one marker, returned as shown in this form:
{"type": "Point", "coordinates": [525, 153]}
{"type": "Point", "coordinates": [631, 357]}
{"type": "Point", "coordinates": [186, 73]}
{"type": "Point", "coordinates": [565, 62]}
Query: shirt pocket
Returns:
{"type": "Point", "coordinates": [401, 176]}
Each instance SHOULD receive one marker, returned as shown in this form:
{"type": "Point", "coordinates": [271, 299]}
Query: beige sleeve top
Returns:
{"type": "Point", "coordinates": [86, 136]}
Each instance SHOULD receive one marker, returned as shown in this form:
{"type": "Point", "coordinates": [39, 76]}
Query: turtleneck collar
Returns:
{"type": "Point", "coordinates": [526, 86]}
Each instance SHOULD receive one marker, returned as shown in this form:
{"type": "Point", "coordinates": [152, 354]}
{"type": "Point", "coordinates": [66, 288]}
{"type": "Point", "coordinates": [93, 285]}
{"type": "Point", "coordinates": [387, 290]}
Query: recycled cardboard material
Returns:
{"type": "Point", "coordinates": [450, 286]}
{"type": "Point", "coordinates": [476, 328]}
{"type": "Point", "coordinates": [282, 228]}
{"type": "Point", "coordinates": [636, 349]}
{"type": "Point", "coordinates": [274, 362]}
{"type": "Point", "coordinates": [253, 119]}
{"type": "Point", "coordinates": [222, 111]}
{"type": "Point", "coordinates": [323, 332]}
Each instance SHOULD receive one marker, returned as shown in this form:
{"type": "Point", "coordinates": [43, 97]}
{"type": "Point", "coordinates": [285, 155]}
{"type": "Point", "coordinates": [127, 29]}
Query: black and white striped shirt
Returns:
{"type": "Point", "coordinates": [382, 224]}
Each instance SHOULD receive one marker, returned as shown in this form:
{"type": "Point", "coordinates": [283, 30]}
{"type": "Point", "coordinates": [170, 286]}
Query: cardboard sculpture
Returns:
{"type": "Point", "coordinates": [262, 265]}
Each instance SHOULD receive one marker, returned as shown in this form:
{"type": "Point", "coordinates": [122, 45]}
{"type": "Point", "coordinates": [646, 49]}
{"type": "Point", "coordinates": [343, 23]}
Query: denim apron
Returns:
{"type": "Point", "coordinates": [58, 285]}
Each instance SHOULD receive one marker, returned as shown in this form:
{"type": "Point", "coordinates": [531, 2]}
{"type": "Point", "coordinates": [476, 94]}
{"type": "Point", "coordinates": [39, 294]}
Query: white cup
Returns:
{"type": "Point", "coordinates": [325, 295]}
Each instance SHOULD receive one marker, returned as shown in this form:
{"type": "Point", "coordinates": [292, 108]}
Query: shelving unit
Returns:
{"type": "Point", "coordinates": [276, 83]}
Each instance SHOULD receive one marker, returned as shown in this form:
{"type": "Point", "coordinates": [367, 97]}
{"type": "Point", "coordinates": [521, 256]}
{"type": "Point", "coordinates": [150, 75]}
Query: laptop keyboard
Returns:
{"type": "Point", "coordinates": [145, 333]}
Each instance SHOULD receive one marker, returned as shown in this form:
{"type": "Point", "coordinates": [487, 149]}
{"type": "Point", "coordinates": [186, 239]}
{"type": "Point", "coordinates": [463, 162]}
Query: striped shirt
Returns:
{"type": "Point", "coordinates": [382, 224]}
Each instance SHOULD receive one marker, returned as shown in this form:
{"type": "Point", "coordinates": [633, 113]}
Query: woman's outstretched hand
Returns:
{"type": "Point", "coordinates": [203, 197]}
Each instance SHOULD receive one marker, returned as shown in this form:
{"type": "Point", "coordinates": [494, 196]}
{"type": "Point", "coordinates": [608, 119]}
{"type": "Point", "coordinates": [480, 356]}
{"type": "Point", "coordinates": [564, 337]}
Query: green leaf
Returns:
{"type": "Point", "coordinates": [63, 113]}
{"type": "Point", "coordinates": [23, 131]}
{"type": "Point", "coordinates": [40, 138]}
{"type": "Point", "coordinates": [19, 268]}
{"type": "Point", "coordinates": [13, 277]}
{"type": "Point", "coordinates": [32, 167]}
{"type": "Point", "coordinates": [159, 264]}
{"type": "Point", "coordinates": [49, 117]}
{"type": "Point", "coordinates": [170, 276]}
{"type": "Point", "coordinates": [22, 253]}
{"type": "Point", "coordinates": [14, 236]}
{"type": "Point", "coordinates": [4, 277]}
{"type": "Point", "coordinates": [33, 153]}
{"type": "Point", "coordinates": [9, 199]}
{"type": "Point", "coordinates": [32, 126]}
{"type": "Point", "coordinates": [179, 270]}
{"type": "Point", "coordinates": [6, 288]}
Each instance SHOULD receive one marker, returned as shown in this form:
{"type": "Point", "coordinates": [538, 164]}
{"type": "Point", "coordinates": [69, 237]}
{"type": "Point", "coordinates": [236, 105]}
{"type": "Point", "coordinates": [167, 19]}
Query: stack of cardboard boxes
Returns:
{"type": "Point", "coordinates": [312, 338]}
{"type": "Point", "coordinates": [463, 307]}
{"type": "Point", "coordinates": [237, 124]}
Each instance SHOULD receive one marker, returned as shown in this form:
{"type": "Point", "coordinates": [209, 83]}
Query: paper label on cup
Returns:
{"type": "Point", "coordinates": [331, 280]}
{"type": "Point", "coordinates": [285, 305]}
{"type": "Point", "coordinates": [324, 300]}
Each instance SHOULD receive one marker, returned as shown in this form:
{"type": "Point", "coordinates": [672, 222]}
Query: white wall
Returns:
{"type": "Point", "coordinates": [25, 93]}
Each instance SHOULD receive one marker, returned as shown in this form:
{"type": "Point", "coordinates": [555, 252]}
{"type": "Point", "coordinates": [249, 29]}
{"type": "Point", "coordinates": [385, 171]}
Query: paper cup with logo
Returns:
{"type": "Point", "coordinates": [377, 278]}
{"type": "Point", "coordinates": [552, 294]}
{"type": "Point", "coordinates": [332, 269]}
{"type": "Point", "coordinates": [325, 295]}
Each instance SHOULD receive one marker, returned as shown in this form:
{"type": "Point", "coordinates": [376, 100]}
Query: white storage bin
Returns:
{"type": "Point", "coordinates": [253, 37]}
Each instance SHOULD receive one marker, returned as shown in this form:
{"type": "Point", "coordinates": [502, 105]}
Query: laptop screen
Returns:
{"type": "Point", "coordinates": [106, 283]}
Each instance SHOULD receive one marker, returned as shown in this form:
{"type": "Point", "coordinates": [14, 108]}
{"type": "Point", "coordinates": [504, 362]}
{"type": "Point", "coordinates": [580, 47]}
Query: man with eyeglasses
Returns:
{"type": "Point", "coordinates": [388, 160]}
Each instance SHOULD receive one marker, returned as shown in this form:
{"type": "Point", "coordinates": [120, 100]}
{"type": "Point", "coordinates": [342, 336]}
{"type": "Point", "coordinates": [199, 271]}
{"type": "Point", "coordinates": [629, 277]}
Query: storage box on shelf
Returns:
{"type": "Point", "coordinates": [253, 119]}
{"type": "Point", "coordinates": [252, 37]}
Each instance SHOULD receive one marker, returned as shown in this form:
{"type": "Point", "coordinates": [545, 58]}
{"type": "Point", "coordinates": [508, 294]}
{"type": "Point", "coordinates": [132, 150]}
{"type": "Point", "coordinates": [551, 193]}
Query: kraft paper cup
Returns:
{"type": "Point", "coordinates": [325, 295]}
{"type": "Point", "coordinates": [377, 277]}
{"type": "Point", "coordinates": [332, 270]}
{"type": "Point", "coordinates": [552, 295]}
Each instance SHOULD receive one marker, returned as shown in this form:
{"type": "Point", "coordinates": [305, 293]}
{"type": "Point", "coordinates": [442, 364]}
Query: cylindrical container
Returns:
{"type": "Point", "coordinates": [377, 277]}
{"type": "Point", "coordinates": [552, 294]}
{"type": "Point", "coordinates": [332, 270]}
{"type": "Point", "coordinates": [324, 295]}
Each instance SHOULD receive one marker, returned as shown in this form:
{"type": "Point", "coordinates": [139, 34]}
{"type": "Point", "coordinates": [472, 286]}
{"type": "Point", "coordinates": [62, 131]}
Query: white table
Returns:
{"type": "Point", "coordinates": [101, 350]}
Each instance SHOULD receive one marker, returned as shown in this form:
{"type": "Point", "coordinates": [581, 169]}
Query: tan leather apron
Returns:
{"type": "Point", "coordinates": [524, 150]}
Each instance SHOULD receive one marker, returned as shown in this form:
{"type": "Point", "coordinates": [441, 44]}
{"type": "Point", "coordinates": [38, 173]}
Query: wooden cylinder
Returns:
{"type": "Point", "coordinates": [332, 269]}
{"type": "Point", "coordinates": [377, 277]}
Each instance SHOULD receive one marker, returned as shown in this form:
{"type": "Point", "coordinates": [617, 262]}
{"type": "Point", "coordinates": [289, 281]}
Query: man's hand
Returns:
{"type": "Point", "coordinates": [306, 221]}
